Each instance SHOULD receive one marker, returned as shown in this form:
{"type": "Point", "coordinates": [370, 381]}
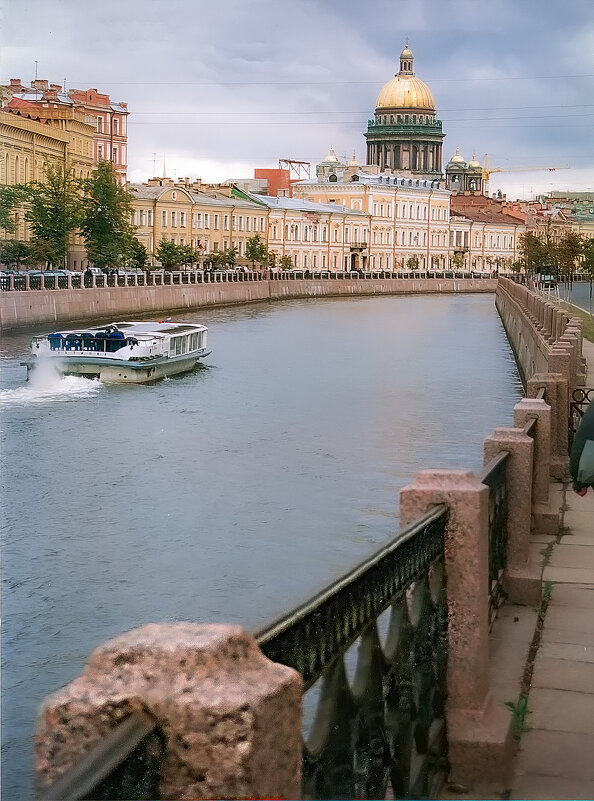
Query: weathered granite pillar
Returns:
{"type": "Point", "coordinates": [231, 719]}
{"type": "Point", "coordinates": [521, 577]}
{"type": "Point", "coordinates": [555, 387]}
{"type": "Point", "coordinates": [544, 519]}
{"type": "Point", "coordinates": [479, 736]}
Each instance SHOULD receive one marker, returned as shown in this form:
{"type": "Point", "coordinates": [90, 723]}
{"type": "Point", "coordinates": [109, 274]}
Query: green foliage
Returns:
{"type": "Point", "coordinates": [271, 258]}
{"type": "Point", "coordinates": [255, 250]}
{"type": "Point", "coordinates": [54, 213]}
{"type": "Point", "coordinates": [137, 254]}
{"type": "Point", "coordinates": [520, 710]}
{"type": "Point", "coordinates": [568, 249]}
{"type": "Point", "coordinates": [412, 263]}
{"type": "Point", "coordinates": [13, 252]}
{"type": "Point", "coordinates": [588, 256]}
{"type": "Point", "coordinates": [169, 254]}
{"type": "Point", "coordinates": [105, 217]}
{"type": "Point", "coordinates": [534, 253]}
{"type": "Point", "coordinates": [10, 198]}
{"type": "Point", "coordinates": [286, 263]}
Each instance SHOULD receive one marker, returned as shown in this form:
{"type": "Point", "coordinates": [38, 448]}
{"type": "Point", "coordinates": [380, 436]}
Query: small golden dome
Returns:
{"type": "Point", "coordinates": [457, 158]}
{"type": "Point", "coordinates": [331, 158]}
{"type": "Point", "coordinates": [406, 53]}
{"type": "Point", "coordinates": [353, 162]}
{"type": "Point", "coordinates": [405, 91]}
{"type": "Point", "coordinates": [474, 163]}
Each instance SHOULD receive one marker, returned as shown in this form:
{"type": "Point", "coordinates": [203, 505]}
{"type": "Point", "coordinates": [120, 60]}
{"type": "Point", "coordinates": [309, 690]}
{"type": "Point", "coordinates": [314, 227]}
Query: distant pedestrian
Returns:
{"type": "Point", "coordinates": [581, 459]}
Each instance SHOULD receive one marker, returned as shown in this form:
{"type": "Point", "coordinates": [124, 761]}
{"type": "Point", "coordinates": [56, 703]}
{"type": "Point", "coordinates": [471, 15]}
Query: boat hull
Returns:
{"type": "Point", "coordinates": [114, 371]}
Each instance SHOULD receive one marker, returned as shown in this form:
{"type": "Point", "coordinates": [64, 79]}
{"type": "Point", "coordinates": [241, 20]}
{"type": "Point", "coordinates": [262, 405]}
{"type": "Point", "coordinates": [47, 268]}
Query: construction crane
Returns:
{"type": "Point", "coordinates": [488, 170]}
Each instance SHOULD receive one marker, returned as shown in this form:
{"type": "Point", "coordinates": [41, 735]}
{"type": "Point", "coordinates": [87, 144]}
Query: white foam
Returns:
{"type": "Point", "coordinates": [46, 384]}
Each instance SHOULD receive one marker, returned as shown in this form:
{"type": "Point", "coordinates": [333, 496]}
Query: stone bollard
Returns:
{"type": "Point", "coordinates": [478, 730]}
{"type": "Point", "coordinates": [544, 519]}
{"type": "Point", "coordinates": [521, 578]}
{"type": "Point", "coordinates": [231, 718]}
{"type": "Point", "coordinates": [555, 387]}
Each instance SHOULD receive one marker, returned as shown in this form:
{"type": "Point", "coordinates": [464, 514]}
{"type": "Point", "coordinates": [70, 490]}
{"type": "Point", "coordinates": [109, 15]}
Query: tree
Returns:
{"type": "Point", "coordinates": [10, 198]}
{"type": "Point", "coordinates": [458, 261]}
{"type": "Point", "coordinates": [255, 250]}
{"type": "Point", "coordinates": [13, 252]}
{"type": "Point", "coordinates": [534, 253]}
{"type": "Point", "coordinates": [169, 254]}
{"type": "Point", "coordinates": [412, 263]}
{"type": "Point", "coordinates": [105, 219]}
{"type": "Point", "coordinates": [568, 249]}
{"type": "Point", "coordinates": [271, 258]}
{"type": "Point", "coordinates": [286, 263]}
{"type": "Point", "coordinates": [137, 254]}
{"type": "Point", "coordinates": [588, 256]}
{"type": "Point", "coordinates": [54, 213]}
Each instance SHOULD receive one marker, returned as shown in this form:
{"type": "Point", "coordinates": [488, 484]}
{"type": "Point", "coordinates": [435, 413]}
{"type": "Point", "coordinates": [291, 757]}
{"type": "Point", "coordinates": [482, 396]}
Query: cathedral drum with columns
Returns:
{"type": "Point", "coordinates": [404, 135]}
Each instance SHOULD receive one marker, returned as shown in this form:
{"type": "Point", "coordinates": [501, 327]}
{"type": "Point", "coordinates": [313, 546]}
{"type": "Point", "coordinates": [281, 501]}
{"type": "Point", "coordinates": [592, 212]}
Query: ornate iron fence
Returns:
{"type": "Point", "coordinates": [494, 476]}
{"type": "Point", "coordinates": [580, 399]}
{"type": "Point", "coordinates": [388, 728]}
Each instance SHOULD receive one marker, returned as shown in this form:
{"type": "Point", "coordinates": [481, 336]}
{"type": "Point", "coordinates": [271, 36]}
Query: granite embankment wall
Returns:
{"type": "Point", "coordinates": [29, 308]}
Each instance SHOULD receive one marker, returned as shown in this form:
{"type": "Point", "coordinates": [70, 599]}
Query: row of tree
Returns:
{"type": "Point", "coordinates": [561, 257]}
{"type": "Point", "coordinates": [98, 207]}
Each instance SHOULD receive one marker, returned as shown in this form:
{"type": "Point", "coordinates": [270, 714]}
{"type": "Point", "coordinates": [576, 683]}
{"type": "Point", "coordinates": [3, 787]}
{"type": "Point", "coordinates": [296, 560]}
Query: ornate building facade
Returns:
{"type": "Point", "coordinates": [404, 134]}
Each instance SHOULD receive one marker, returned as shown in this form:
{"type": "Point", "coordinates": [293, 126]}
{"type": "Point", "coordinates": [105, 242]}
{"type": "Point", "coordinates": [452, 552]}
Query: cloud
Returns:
{"type": "Point", "coordinates": [218, 85]}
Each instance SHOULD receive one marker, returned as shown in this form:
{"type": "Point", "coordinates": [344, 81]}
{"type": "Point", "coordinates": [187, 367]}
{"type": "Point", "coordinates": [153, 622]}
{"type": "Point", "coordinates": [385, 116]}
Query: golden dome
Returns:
{"type": "Point", "coordinates": [457, 158]}
{"type": "Point", "coordinates": [405, 91]}
{"type": "Point", "coordinates": [331, 158]}
{"type": "Point", "coordinates": [406, 53]}
{"type": "Point", "coordinates": [474, 163]}
{"type": "Point", "coordinates": [353, 162]}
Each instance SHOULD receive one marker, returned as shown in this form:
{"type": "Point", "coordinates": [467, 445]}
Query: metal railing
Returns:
{"type": "Point", "coordinates": [124, 765]}
{"type": "Point", "coordinates": [386, 733]}
{"type": "Point", "coordinates": [19, 283]}
{"type": "Point", "coordinates": [388, 728]}
{"type": "Point", "coordinates": [578, 403]}
{"type": "Point", "coordinates": [494, 476]}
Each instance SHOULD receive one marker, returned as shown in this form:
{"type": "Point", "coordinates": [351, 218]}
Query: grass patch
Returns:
{"type": "Point", "coordinates": [519, 710]}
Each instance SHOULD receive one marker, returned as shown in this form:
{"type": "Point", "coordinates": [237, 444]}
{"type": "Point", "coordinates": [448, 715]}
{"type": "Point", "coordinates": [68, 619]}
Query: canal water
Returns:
{"type": "Point", "coordinates": [231, 493]}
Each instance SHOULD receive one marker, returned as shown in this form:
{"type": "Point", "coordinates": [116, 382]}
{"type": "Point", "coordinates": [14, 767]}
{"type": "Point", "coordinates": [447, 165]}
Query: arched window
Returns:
{"type": "Point", "coordinates": [418, 212]}
{"type": "Point", "coordinates": [17, 172]}
{"type": "Point", "coordinates": [403, 212]}
{"type": "Point", "coordinates": [424, 212]}
{"type": "Point", "coordinates": [6, 170]}
{"type": "Point", "coordinates": [26, 171]}
{"type": "Point", "coordinates": [410, 211]}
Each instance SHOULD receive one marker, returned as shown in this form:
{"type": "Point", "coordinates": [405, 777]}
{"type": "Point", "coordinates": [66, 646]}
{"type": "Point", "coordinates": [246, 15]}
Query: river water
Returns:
{"type": "Point", "coordinates": [231, 493]}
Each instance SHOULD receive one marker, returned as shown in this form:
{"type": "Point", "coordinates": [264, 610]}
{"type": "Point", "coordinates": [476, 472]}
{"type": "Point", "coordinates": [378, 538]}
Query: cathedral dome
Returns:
{"type": "Point", "coordinates": [405, 90]}
{"type": "Point", "coordinates": [474, 164]}
{"type": "Point", "coordinates": [457, 159]}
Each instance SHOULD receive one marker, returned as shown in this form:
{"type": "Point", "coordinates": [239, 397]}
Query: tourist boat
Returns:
{"type": "Point", "coordinates": [123, 353]}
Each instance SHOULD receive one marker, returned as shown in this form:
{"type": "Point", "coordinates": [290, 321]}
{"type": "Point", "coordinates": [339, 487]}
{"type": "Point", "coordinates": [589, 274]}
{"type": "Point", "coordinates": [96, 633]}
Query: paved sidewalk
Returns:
{"type": "Point", "coordinates": [556, 757]}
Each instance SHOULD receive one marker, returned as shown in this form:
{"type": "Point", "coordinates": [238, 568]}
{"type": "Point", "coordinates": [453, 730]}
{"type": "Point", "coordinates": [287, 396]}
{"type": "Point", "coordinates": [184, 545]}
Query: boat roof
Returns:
{"type": "Point", "coordinates": [133, 328]}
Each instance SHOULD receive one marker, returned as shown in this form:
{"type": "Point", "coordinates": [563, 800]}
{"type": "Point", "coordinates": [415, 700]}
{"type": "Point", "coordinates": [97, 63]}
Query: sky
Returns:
{"type": "Point", "coordinates": [216, 89]}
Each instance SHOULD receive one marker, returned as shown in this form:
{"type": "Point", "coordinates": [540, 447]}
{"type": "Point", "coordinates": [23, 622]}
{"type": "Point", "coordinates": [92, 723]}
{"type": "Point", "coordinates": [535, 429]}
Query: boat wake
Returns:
{"type": "Point", "coordinates": [46, 385]}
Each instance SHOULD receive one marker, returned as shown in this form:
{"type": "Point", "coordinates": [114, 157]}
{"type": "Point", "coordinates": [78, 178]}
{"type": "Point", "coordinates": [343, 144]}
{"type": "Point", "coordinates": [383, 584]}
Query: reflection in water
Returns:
{"type": "Point", "coordinates": [230, 493]}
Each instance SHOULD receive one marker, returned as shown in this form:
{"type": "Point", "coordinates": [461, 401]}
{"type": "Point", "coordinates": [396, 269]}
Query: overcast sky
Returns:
{"type": "Point", "coordinates": [218, 88]}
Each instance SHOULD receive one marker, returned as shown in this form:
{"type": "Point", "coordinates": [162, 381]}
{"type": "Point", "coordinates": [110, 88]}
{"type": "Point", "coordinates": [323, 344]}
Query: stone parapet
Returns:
{"type": "Point", "coordinates": [230, 718]}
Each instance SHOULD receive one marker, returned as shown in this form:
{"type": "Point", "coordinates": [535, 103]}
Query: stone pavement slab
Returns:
{"type": "Point", "coordinates": [580, 596]}
{"type": "Point", "coordinates": [536, 786]}
{"type": "Point", "coordinates": [564, 674]}
{"type": "Point", "coordinates": [558, 754]}
{"type": "Point", "coordinates": [567, 619]}
{"type": "Point", "coordinates": [561, 711]}
{"type": "Point", "coordinates": [570, 555]}
{"type": "Point", "coordinates": [579, 517]}
{"type": "Point", "coordinates": [568, 575]}
{"type": "Point", "coordinates": [569, 651]}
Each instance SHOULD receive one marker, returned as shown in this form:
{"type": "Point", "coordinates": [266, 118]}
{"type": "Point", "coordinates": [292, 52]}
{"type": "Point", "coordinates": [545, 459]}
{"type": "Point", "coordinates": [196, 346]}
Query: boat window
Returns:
{"type": "Point", "coordinates": [178, 345]}
{"type": "Point", "coordinates": [184, 344]}
{"type": "Point", "coordinates": [172, 346]}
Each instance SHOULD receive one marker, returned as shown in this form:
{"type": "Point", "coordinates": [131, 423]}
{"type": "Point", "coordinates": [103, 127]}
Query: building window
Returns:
{"type": "Point", "coordinates": [199, 220]}
{"type": "Point", "coordinates": [216, 222]}
{"type": "Point", "coordinates": [226, 222]}
{"type": "Point", "coordinates": [99, 152]}
{"type": "Point", "coordinates": [247, 224]}
{"type": "Point", "coordinates": [150, 217]}
{"type": "Point", "coordinates": [241, 222]}
{"type": "Point", "coordinates": [115, 127]}
{"type": "Point", "coordinates": [274, 231]}
{"type": "Point", "coordinates": [99, 124]}
{"type": "Point", "coordinates": [261, 225]}
{"type": "Point", "coordinates": [206, 221]}
{"type": "Point", "coordinates": [164, 219]}
{"type": "Point", "coordinates": [235, 222]}
{"type": "Point", "coordinates": [324, 234]}
{"type": "Point", "coordinates": [174, 219]}
{"type": "Point", "coordinates": [182, 219]}
{"type": "Point", "coordinates": [215, 247]}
